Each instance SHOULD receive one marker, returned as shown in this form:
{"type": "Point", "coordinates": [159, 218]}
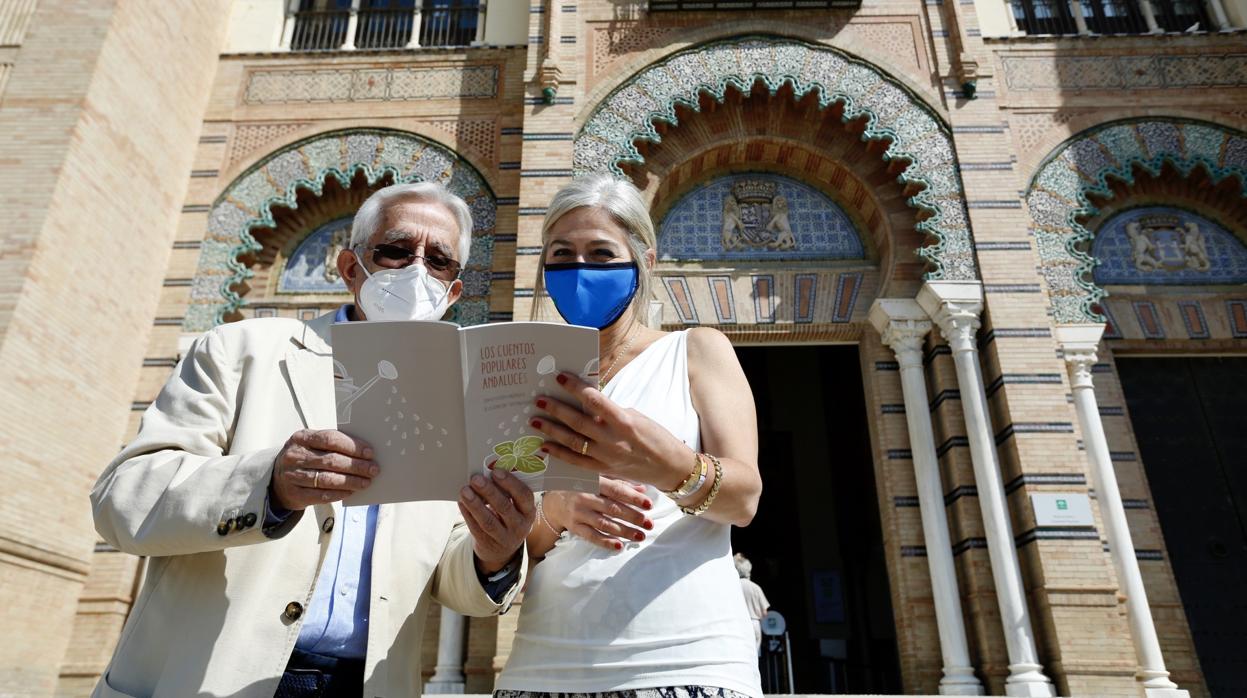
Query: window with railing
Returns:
{"type": "Point", "coordinates": [1073, 17]}
{"type": "Point", "coordinates": [448, 23]}
{"type": "Point", "coordinates": [1182, 15]}
{"type": "Point", "coordinates": [750, 5]}
{"type": "Point", "coordinates": [320, 24]}
{"type": "Point", "coordinates": [385, 23]}
{"type": "Point", "coordinates": [335, 25]}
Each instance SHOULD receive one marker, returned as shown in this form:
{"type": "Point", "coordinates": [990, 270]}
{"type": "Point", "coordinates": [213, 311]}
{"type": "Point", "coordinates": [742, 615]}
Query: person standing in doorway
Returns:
{"type": "Point", "coordinates": [755, 599]}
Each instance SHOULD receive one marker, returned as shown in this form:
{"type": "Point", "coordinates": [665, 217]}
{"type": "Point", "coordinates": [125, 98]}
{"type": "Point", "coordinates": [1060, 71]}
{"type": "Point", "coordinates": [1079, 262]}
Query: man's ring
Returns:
{"type": "Point", "coordinates": [584, 448]}
{"type": "Point", "coordinates": [316, 479]}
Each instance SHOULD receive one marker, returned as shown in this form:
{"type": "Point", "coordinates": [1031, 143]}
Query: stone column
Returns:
{"type": "Point", "coordinates": [1080, 21]}
{"type": "Point", "coordinates": [1078, 343]}
{"type": "Point", "coordinates": [1145, 8]}
{"type": "Point", "coordinates": [414, 41]}
{"type": "Point", "coordinates": [448, 673]}
{"type": "Point", "coordinates": [352, 23]}
{"type": "Point", "coordinates": [1014, 29]}
{"type": "Point", "coordinates": [1218, 14]}
{"type": "Point", "coordinates": [955, 306]}
{"type": "Point", "coordinates": [903, 325]}
{"type": "Point", "coordinates": [480, 24]}
{"type": "Point", "coordinates": [287, 30]}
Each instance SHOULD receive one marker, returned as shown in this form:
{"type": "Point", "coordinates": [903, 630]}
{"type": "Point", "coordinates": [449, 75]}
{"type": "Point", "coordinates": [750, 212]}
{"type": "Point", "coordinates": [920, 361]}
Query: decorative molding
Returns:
{"type": "Point", "coordinates": [893, 39]}
{"type": "Point", "coordinates": [1029, 129]}
{"type": "Point", "coordinates": [913, 130]}
{"type": "Point", "coordinates": [398, 83]}
{"type": "Point", "coordinates": [480, 135]}
{"type": "Point", "coordinates": [1024, 73]}
{"type": "Point", "coordinates": [248, 139]}
{"type": "Point", "coordinates": [247, 203]}
{"type": "Point", "coordinates": [1058, 196]}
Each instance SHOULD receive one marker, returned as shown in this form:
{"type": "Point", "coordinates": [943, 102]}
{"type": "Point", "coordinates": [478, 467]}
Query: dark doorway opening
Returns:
{"type": "Point", "coordinates": [1190, 421]}
{"type": "Point", "coordinates": [816, 543]}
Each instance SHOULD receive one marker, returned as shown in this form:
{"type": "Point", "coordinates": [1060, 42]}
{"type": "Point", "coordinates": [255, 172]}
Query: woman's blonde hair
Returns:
{"type": "Point", "coordinates": [622, 201]}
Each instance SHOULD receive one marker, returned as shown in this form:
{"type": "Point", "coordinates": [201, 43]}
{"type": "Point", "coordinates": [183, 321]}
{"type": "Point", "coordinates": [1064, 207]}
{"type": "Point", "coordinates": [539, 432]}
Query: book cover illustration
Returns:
{"type": "Point", "coordinates": [439, 403]}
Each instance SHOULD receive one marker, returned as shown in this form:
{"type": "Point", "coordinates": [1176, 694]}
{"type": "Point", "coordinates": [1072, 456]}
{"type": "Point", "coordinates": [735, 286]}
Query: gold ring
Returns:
{"type": "Point", "coordinates": [316, 479]}
{"type": "Point", "coordinates": [584, 448]}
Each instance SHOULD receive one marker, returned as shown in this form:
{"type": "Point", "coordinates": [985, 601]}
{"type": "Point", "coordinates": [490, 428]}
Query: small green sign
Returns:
{"type": "Point", "coordinates": [1062, 505]}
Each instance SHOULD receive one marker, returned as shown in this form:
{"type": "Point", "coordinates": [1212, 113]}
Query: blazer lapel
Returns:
{"type": "Point", "coordinates": [309, 368]}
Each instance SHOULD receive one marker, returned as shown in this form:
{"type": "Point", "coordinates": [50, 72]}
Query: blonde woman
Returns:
{"type": "Point", "coordinates": [635, 592]}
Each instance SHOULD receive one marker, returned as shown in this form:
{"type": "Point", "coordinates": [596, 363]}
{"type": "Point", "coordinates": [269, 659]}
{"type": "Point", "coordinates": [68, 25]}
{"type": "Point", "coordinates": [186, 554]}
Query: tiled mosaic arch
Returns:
{"type": "Point", "coordinates": [248, 201]}
{"type": "Point", "coordinates": [1059, 193]}
{"type": "Point", "coordinates": [892, 112]}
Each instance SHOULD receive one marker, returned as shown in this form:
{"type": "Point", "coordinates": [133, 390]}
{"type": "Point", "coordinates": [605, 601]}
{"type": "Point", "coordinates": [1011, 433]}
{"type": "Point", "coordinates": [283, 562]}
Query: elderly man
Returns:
{"type": "Point", "coordinates": [260, 581]}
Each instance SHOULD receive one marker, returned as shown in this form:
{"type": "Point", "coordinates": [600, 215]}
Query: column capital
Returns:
{"type": "Point", "coordinates": [955, 307]}
{"type": "Point", "coordinates": [1079, 344]}
{"type": "Point", "coordinates": [902, 324]}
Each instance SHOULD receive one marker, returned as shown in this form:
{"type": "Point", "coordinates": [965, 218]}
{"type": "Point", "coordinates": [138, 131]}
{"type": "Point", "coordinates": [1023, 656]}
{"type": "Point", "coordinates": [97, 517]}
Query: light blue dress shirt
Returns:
{"type": "Point", "coordinates": [336, 622]}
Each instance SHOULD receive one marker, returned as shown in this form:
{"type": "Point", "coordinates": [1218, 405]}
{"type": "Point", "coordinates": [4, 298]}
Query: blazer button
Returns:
{"type": "Point", "coordinates": [327, 526]}
{"type": "Point", "coordinates": [294, 610]}
{"type": "Point", "coordinates": [249, 520]}
{"type": "Point", "coordinates": [224, 527]}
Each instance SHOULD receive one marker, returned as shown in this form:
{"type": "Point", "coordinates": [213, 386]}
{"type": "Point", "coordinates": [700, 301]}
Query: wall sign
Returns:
{"type": "Point", "coordinates": [1064, 509]}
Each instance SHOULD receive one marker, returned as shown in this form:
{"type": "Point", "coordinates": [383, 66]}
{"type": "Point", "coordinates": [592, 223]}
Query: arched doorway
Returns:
{"type": "Point", "coordinates": [1140, 226]}
{"type": "Point", "coordinates": [793, 184]}
{"type": "Point", "coordinates": [286, 204]}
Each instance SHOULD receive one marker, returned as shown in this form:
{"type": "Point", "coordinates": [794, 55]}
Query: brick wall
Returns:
{"type": "Point", "coordinates": [93, 176]}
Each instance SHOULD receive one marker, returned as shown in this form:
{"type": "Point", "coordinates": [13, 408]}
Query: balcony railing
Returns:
{"type": "Point", "coordinates": [427, 24]}
{"type": "Point", "coordinates": [750, 5]}
{"type": "Point", "coordinates": [1075, 17]}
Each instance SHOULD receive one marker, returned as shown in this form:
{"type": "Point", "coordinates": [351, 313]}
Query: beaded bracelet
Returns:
{"type": "Point", "coordinates": [714, 490]}
{"type": "Point", "coordinates": [541, 515]}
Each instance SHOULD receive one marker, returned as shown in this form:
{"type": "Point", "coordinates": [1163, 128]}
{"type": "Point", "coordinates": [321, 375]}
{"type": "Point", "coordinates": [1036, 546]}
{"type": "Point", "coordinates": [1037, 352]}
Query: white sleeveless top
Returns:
{"type": "Point", "coordinates": [665, 612]}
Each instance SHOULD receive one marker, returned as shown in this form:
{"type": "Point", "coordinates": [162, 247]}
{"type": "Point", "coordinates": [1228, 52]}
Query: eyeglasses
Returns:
{"type": "Point", "coordinates": [395, 257]}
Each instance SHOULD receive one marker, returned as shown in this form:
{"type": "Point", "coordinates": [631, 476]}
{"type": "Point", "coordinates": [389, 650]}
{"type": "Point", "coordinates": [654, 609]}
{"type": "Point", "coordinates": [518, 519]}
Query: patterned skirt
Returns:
{"type": "Point", "coordinates": [664, 692]}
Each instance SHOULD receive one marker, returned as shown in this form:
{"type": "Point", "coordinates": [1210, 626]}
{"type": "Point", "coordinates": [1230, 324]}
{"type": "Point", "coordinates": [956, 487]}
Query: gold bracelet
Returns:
{"type": "Point", "coordinates": [714, 490]}
{"type": "Point", "coordinates": [693, 482]}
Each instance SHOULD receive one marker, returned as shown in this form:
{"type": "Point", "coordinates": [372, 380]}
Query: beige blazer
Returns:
{"type": "Point", "coordinates": [223, 599]}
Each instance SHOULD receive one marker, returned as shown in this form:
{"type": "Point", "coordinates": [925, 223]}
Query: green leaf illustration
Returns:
{"type": "Point", "coordinates": [528, 445]}
{"type": "Point", "coordinates": [504, 448]}
{"type": "Point", "coordinates": [506, 463]}
{"type": "Point", "coordinates": [530, 464]}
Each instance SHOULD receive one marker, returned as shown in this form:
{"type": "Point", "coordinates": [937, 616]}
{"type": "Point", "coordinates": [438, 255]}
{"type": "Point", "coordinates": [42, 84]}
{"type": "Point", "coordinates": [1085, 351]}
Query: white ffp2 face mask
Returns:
{"type": "Point", "coordinates": [403, 294]}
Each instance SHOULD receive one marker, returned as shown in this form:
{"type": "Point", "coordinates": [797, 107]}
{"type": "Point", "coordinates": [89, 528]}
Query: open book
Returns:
{"type": "Point", "coordinates": [439, 403]}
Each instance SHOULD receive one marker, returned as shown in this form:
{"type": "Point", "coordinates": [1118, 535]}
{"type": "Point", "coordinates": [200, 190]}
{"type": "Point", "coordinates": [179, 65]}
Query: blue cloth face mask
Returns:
{"type": "Point", "coordinates": [591, 294]}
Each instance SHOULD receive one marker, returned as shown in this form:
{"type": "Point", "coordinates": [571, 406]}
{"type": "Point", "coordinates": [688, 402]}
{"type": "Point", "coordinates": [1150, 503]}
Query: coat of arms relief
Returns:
{"type": "Point", "coordinates": [755, 215]}
{"type": "Point", "coordinates": [1165, 243]}
{"type": "Point", "coordinates": [340, 240]}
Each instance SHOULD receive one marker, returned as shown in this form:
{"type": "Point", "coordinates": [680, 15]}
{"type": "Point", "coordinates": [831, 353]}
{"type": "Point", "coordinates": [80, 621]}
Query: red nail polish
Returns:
{"type": "Point", "coordinates": [544, 449]}
{"type": "Point", "coordinates": [541, 403]}
{"type": "Point", "coordinates": [563, 379]}
{"type": "Point", "coordinates": [647, 505]}
{"type": "Point", "coordinates": [638, 537]}
{"type": "Point", "coordinates": [618, 545]}
{"type": "Point", "coordinates": [536, 423]}
{"type": "Point", "coordinates": [649, 525]}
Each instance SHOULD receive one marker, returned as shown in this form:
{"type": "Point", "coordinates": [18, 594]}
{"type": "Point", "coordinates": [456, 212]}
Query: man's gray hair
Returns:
{"type": "Point", "coordinates": [743, 566]}
{"type": "Point", "coordinates": [368, 218]}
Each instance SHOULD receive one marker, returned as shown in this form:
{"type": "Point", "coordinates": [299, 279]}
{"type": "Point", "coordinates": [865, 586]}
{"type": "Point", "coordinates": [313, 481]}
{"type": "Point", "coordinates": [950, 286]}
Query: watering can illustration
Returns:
{"type": "Point", "coordinates": [346, 392]}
